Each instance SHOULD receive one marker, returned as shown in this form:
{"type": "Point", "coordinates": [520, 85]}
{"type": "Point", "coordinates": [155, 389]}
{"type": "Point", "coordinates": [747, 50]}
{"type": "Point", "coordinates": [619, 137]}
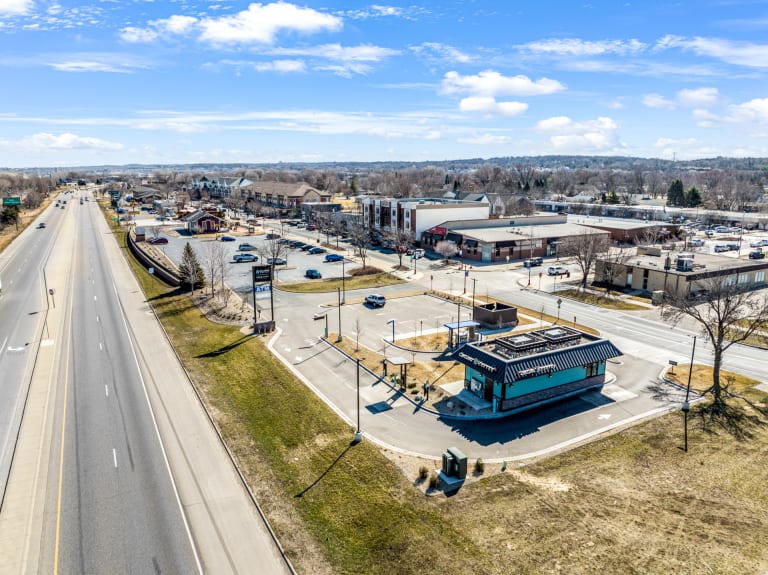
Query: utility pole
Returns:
{"type": "Point", "coordinates": [686, 405]}
{"type": "Point", "coordinates": [474, 284]}
{"type": "Point", "coordinates": [338, 293]}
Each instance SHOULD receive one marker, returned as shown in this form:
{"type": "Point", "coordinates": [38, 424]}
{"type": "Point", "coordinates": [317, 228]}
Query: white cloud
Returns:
{"type": "Point", "coordinates": [657, 101]}
{"type": "Point", "coordinates": [138, 35]}
{"type": "Point", "coordinates": [486, 140]}
{"type": "Point", "coordinates": [746, 54]}
{"type": "Point", "coordinates": [576, 47]}
{"type": "Point", "coordinates": [491, 83]}
{"type": "Point", "coordinates": [488, 105]}
{"type": "Point", "coordinates": [442, 52]}
{"type": "Point", "coordinates": [749, 112]}
{"type": "Point", "coordinates": [699, 97]}
{"type": "Point", "coordinates": [87, 66]}
{"type": "Point", "coordinates": [282, 66]}
{"type": "Point", "coordinates": [260, 23]}
{"type": "Point", "coordinates": [66, 141]}
{"type": "Point", "coordinates": [15, 7]}
{"type": "Point", "coordinates": [592, 136]}
{"type": "Point", "coordinates": [361, 53]}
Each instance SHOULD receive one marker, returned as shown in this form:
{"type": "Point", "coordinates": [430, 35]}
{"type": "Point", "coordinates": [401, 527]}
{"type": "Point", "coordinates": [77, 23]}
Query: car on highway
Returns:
{"type": "Point", "coordinates": [41, 225]}
{"type": "Point", "coordinates": [225, 238]}
{"type": "Point", "coordinates": [313, 274]}
{"type": "Point", "coordinates": [276, 261]}
{"type": "Point", "coordinates": [316, 250]}
{"type": "Point", "coordinates": [158, 240]}
{"type": "Point", "coordinates": [246, 247]}
{"type": "Point", "coordinates": [375, 300]}
{"type": "Point", "coordinates": [533, 262]}
{"type": "Point", "coordinates": [334, 257]}
{"type": "Point", "coordinates": [244, 258]}
{"type": "Point", "coordinates": [557, 270]}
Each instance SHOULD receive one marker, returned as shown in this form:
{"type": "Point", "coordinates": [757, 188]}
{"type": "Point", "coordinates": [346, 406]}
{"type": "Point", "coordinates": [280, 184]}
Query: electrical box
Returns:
{"type": "Point", "coordinates": [454, 463]}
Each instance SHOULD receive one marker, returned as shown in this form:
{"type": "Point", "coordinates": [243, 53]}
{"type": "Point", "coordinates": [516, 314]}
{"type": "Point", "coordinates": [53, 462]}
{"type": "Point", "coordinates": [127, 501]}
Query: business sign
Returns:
{"type": "Point", "coordinates": [438, 231]}
{"type": "Point", "coordinates": [262, 274]}
{"type": "Point", "coordinates": [12, 201]}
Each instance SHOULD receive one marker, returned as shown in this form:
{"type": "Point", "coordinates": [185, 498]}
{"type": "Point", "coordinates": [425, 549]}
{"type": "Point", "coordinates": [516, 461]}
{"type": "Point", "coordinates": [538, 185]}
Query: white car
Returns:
{"type": "Point", "coordinates": [557, 270]}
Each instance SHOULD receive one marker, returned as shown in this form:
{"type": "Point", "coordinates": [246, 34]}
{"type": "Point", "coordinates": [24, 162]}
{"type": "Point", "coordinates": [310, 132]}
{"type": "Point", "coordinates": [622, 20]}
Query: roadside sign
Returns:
{"type": "Point", "coordinates": [672, 362]}
{"type": "Point", "coordinates": [262, 274]}
{"type": "Point", "coordinates": [12, 201]}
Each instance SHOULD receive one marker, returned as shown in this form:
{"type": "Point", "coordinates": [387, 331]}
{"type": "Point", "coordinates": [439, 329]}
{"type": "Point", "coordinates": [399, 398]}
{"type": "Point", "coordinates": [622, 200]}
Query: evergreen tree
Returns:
{"type": "Point", "coordinates": [676, 194]}
{"type": "Point", "coordinates": [692, 197]}
{"type": "Point", "coordinates": [612, 198]}
{"type": "Point", "coordinates": [191, 271]}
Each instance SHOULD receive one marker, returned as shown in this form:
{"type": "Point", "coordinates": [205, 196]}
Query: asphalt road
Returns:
{"type": "Point", "coordinates": [112, 506]}
{"type": "Point", "coordinates": [22, 313]}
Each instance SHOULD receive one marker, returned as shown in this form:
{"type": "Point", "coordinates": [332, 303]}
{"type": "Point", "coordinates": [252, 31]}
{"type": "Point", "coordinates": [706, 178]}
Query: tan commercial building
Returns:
{"type": "Point", "coordinates": [685, 273]}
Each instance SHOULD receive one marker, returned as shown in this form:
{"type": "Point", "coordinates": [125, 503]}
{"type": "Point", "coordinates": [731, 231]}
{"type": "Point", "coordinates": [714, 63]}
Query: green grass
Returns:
{"type": "Point", "coordinates": [600, 300]}
{"type": "Point", "coordinates": [352, 283]}
{"type": "Point", "coordinates": [630, 503]}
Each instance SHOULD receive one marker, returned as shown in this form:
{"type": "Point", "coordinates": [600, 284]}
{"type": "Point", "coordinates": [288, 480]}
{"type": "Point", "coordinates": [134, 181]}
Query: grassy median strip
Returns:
{"type": "Point", "coordinates": [351, 283]}
{"type": "Point", "coordinates": [633, 502]}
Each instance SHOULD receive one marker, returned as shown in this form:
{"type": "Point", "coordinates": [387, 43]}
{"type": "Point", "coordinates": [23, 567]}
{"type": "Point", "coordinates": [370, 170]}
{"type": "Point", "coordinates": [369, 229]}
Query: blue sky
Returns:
{"type": "Point", "coordinates": [181, 81]}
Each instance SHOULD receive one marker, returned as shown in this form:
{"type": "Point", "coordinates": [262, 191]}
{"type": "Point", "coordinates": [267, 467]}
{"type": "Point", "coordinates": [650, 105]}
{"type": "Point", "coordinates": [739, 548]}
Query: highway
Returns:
{"type": "Point", "coordinates": [117, 510]}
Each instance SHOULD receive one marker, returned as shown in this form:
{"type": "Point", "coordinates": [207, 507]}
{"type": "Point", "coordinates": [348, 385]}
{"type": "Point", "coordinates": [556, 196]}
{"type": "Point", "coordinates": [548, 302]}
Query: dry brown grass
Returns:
{"type": "Point", "coordinates": [9, 233]}
{"type": "Point", "coordinates": [701, 378]}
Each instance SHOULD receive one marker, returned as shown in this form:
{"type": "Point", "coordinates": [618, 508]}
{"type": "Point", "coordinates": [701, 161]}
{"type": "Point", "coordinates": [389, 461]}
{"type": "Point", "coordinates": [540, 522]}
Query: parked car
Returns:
{"type": "Point", "coordinates": [306, 247]}
{"type": "Point", "coordinates": [696, 242]}
{"type": "Point", "coordinates": [276, 261]}
{"type": "Point", "coordinates": [418, 253]}
{"type": "Point", "coordinates": [721, 248]}
{"type": "Point", "coordinates": [311, 227]}
{"type": "Point", "coordinates": [301, 225]}
{"type": "Point", "coordinates": [375, 300]}
{"type": "Point", "coordinates": [316, 250]}
{"type": "Point", "coordinates": [758, 243]}
{"type": "Point", "coordinates": [243, 258]}
{"type": "Point", "coordinates": [313, 274]}
{"type": "Point", "coordinates": [757, 254]}
{"type": "Point", "coordinates": [246, 247]}
{"type": "Point", "coordinates": [709, 233]}
{"type": "Point", "coordinates": [224, 238]}
{"type": "Point", "coordinates": [334, 257]}
{"type": "Point", "coordinates": [272, 236]}
{"type": "Point", "coordinates": [158, 240]}
{"type": "Point", "coordinates": [557, 270]}
{"type": "Point", "coordinates": [533, 262]}
{"type": "Point", "coordinates": [722, 229]}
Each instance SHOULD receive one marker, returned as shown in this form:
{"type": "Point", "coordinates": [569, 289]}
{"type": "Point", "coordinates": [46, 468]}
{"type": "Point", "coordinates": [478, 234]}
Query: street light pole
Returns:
{"type": "Point", "coordinates": [474, 284]}
{"type": "Point", "coordinates": [358, 433]}
{"type": "Point", "coordinates": [338, 293]}
{"type": "Point", "coordinates": [343, 287]}
{"type": "Point", "coordinates": [686, 405]}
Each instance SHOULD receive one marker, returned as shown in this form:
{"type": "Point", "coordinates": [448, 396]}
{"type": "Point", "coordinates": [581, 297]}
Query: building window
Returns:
{"type": "Point", "coordinates": [729, 280]}
{"type": "Point", "coordinates": [759, 276]}
{"type": "Point", "coordinates": [743, 278]}
{"type": "Point", "coordinates": [592, 369]}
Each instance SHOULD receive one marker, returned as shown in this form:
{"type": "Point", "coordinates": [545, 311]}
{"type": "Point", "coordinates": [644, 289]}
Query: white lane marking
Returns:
{"type": "Point", "coordinates": [95, 298]}
{"type": "Point", "coordinates": [15, 349]}
{"type": "Point", "coordinates": [106, 390]}
{"type": "Point", "coordinates": [114, 457]}
{"type": "Point", "coordinates": [97, 319]}
{"type": "Point", "coordinates": [2, 347]}
{"type": "Point", "coordinates": [101, 346]}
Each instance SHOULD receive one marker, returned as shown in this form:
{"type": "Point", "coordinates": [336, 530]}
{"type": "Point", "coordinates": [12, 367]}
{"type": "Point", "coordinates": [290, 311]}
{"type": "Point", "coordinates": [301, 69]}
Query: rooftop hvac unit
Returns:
{"type": "Point", "coordinates": [684, 264]}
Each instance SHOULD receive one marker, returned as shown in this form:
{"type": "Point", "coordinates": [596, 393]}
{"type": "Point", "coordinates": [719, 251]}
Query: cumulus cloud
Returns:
{"type": "Point", "coordinates": [15, 7]}
{"type": "Point", "coordinates": [442, 52]}
{"type": "Point", "coordinates": [258, 24]}
{"type": "Point", "coordinates": [282, 66]}
{"type": "Point", "coordinates": [591, 136]}
{"type": "Point", "coordinates": [66, 141]}
{"type": "Point", "coordinates": [687, 98]}
{"type": "Point", "coordinates": [491, 83]}
{"type": "Point", "coordinates": [747, 54]}
{"type": "Point", "coordinates": [488, 105]}
{"type": "Point", "coordinates": [577, 47]}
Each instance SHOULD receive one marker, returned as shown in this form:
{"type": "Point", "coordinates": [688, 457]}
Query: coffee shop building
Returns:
{"type": "Point", "coordinates": [533, 368]}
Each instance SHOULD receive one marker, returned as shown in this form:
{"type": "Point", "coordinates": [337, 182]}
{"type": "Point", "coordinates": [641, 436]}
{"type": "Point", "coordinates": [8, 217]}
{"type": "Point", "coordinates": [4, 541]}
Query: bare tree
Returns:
{"type": "Point", "coordinates": [400, 240]}
{"type": "Point", "coordinates": [610, 267]}
{"type": "Point", "coordinates": [585, 249]}
{"type": "Point", "coordinates": [360, 238]}
{"type": "Point", "coordinates": [271, 251]}
{"type": "Point", "coordinates": [215, 263]}
{"type": "Point", "coordinates": [447, 249]}
{"type": "Point", "coordinates": [358, 332]}
{"type": "Point", "coordinates": [727, 313]}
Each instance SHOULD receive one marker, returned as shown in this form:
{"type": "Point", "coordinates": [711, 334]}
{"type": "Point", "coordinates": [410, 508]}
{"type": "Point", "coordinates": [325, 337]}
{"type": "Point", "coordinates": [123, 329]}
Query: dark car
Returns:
{"type": "Point", "coordinates": [246, 247]}
{"type": "Point", "coordinates": [532, 262]}
{"type": "Point", "coordinates": [313, 274]}
{"type": "Point", "coordinates": [334, 257]}
{"type": "Point", "coordinates": [316, 250]}
{"type": "Point", "coordinates": [243, 258]}
{"type": "Point", "coordinates": [756, 255]}
{"type": "Point", "coordinates": [41, 225]}
{"type": "Point", "coordinates": [272, 236]}
{"type": "Point", "coordinates": [226, 238]}
{"type": "Point", "coordinates": [158, 240]}
{"type": "Point", "coordinates": [306, 247]}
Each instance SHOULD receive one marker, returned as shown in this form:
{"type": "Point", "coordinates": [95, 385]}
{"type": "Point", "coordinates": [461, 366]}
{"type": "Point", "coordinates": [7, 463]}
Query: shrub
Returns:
{"type": "Point", "coordinates": [433, 481]}
{"type": "Point", "coordinates": [479, 466]}
{"type": "Point", "coordinates": [423, 472]}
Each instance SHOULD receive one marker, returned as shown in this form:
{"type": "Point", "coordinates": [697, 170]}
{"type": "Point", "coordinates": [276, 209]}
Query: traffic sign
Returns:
{"type": "Point", "coordinates": [12, 201]}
